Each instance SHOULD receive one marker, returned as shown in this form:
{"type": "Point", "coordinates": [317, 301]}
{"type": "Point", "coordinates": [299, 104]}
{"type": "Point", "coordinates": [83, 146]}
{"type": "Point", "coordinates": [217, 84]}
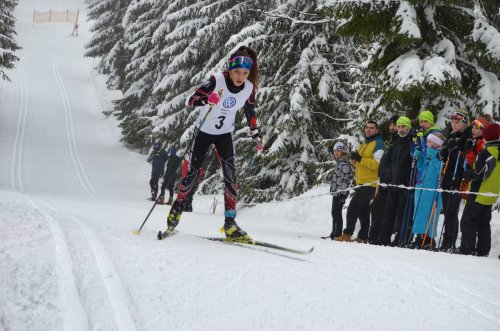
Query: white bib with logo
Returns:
{"type": "Point", "coordinates": [221, 118]}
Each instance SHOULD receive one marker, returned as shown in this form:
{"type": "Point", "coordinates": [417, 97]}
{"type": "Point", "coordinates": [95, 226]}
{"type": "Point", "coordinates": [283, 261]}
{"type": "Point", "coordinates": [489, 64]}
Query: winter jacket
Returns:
{"type": "Point", "coordinates": [486, 175]}
{"type": "Point", "coordinates": [471, 154]}
{"type": "Point", "coordinates": [429, 167]}
{"type": "Point", "coordinates": [454, 152]}
{"type": "Point", "coordinates": [384, 169]}
{"type": "Point", "coordinates": [172, 166]}
{"type": "Point", "coordinates": [158, 160]}
{"type": "Point", "coordinates": [371, 152]}
{"type": "Point", "coordinates": [343, 174]}
{"type": "Point", "coordinates": [399, 159]}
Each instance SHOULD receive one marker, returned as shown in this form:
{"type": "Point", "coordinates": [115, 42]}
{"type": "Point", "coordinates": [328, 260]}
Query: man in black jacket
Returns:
{"type": "Point", "coordinates": [384, 173]}
{"type": "Point", "coordinates": [399, 159]}
{"type": "Point", "coordinates": [170, 176]}
{"type": "Point", "coordinates": [157, 158]}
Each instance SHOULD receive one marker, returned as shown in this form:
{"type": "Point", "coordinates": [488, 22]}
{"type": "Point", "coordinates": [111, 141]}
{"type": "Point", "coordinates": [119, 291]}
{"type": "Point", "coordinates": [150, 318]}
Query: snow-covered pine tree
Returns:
{"type": "Point", "coordinates": [107, 38]}
{"type": "Point", "coordinates": [434, 54]}
{"type": "Point", "coordinates": [142, 19]}
{"type": "Point", "coordinates": [8, 44]}
{"type": "Point", "coordinates": [302, 100]}
{"type": "Point", "coordinates": [304, 79]}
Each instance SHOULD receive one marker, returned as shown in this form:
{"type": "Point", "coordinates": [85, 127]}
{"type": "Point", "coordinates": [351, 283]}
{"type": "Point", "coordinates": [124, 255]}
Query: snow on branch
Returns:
{"type": "Point", "coordinates": [407, 17]}
{"type": "Point", "coordinates": [488, 35]}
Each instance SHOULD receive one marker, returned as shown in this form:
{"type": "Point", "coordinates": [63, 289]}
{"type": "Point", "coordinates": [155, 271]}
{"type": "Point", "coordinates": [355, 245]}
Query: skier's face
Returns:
{"type": "Point", "coordinates": [337, 153]}
{"type": "Point", "coordinates": [238, 76]}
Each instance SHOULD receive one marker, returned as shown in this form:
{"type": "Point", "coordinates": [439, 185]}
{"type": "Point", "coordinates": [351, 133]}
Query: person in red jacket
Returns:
{"type": "Point", "coordinates": [473, 147]}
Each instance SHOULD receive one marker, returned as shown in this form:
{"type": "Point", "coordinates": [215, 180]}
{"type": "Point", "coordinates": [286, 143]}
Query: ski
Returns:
{"type": "Point", "coordinates": [162, 235]}
{"type": "Point", "coordinates": [252, 242]}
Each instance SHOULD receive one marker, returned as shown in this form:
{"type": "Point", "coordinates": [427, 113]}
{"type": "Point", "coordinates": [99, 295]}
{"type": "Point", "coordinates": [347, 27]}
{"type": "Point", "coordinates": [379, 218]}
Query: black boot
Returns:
{"type": "Point", "coordinates": [233, 231]}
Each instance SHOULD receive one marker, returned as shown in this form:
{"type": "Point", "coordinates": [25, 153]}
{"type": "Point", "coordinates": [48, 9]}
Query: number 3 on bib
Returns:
{"type": "Point", "coordinates": [221, 122]}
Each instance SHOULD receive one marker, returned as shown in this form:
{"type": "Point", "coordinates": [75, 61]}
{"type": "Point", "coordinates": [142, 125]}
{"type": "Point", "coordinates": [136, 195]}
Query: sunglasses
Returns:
{"type": "Point", "coordinates": [459, 118]}
{"type": "Point", "coordinates": [243, 62]}
{"type": "Point", "coordinates": [478, 124]}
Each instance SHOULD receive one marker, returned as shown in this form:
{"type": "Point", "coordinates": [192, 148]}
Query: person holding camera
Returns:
{"type": "Point", "coordinates": [366, 162]}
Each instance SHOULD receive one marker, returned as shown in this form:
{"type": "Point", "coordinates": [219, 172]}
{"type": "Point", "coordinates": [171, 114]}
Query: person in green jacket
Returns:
{"type": "Point", "coordinates": [485, 177]}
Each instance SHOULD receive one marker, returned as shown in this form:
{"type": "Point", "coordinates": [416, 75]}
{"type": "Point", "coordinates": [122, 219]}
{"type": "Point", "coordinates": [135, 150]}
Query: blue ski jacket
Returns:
{"type": "Point", "coordinates": [429, 167]}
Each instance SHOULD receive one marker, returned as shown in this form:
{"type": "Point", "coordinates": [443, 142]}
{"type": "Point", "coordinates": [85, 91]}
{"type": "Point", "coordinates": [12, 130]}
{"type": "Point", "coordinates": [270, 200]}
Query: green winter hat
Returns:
{"type": "Point", "coordinates": [426, 115]}
{"type": "Point", "coordinates": [403, 120]}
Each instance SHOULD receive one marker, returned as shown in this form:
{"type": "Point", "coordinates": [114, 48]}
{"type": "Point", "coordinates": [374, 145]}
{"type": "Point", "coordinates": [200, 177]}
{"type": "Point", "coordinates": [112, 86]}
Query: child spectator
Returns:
{"type": "Point", "coordinates": [428, 203]}
{"type": "Point", "coordinates": [343, 175]}
{"type": "Point", "coordinates": [475, 222]}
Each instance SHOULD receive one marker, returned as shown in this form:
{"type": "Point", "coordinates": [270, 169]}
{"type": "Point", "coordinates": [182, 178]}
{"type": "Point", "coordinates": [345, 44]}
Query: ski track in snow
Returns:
{"type": "Point", "coordinates": [17, 159]}
{"type": "Point", "coordinates": [71, 136]}
{"type": "Point", "coordinates": [116, 294]}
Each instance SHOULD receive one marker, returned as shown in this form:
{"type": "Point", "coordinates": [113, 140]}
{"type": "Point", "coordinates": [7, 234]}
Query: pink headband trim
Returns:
{"type": "Point", "coordinates": [435, 139]}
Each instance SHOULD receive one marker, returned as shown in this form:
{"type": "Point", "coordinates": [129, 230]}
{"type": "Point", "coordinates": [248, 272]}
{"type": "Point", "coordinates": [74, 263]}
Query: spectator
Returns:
{"type": "Point", "coordinates": [157, 158]}
{"type": "Point", "coordinates": [75, 29]}
{"type": "Point", "coordinates": [453, 153]}
{"type": "Point", "coordinates": [475, 222]}
{"type": "Point", "coordinates": [399, 159]}
{"type": "Point", "coordinates": [341, 180]}
{"type": "Point", "coordinates": [428, 202]}
{"type": "Point", "coordinates": [384, 173]}
{"type": "Point", "coordinates": [170, 176]}
{"type": "Point", "coordinates": [366, 162]}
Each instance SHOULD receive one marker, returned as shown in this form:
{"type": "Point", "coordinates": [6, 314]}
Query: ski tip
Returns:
{"type": "Point", "coordinates": [159, 236]}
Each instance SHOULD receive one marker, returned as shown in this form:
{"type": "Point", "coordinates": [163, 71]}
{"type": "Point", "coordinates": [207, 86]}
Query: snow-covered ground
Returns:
{"type": "Point", "coordinates": [71, 194]}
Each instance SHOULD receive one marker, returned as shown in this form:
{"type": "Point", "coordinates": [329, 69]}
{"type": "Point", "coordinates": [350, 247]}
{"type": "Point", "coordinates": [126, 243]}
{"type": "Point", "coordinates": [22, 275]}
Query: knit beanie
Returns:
{"type": "Point", "coordinates": [403, 120]}
{"type": "Point", "coordinates": [393, 119]}
{"type": "Point", "coordinates": [491, 132]}
{"type": "Point", "coordinates": [426, 115]}
{"type": "Point", "coordinates": [339, 146]}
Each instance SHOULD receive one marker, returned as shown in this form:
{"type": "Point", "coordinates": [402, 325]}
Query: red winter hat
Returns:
{"type": "Point", "coordinates": [491, 132]}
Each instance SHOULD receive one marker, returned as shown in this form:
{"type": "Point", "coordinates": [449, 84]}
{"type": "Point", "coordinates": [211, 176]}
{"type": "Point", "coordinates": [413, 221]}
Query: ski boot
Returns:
{"type": "Point", "coordinates": [174, 217]}
{"type": "Point", "coordinates": [233, 231]}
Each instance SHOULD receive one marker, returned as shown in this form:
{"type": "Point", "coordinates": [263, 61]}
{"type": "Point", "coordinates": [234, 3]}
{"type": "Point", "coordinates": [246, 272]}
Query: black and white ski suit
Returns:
{"type": "Point", "coordinates": [215, 125]}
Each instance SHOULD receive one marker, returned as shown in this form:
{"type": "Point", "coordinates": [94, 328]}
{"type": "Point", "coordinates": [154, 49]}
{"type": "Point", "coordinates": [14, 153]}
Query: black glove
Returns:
{"type": "Point", "coordinates": [355, 156]}
{"type": "Point", "coordinates": [469, 174]}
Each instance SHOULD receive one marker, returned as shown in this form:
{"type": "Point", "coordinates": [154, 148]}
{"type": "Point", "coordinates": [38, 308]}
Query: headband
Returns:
{"type": "Point", "coordinates": [243, 62]}
{"type": "Point", "coordinates": [435, 139]}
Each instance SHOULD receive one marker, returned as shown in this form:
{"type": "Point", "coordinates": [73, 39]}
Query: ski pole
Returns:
{"type": "Point", "coordinates": [154, 205]}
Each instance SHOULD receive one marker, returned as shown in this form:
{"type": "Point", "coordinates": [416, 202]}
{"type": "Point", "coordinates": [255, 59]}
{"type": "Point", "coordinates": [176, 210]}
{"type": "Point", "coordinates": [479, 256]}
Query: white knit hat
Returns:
{"type": "Point", "coordinates": [339, 146]}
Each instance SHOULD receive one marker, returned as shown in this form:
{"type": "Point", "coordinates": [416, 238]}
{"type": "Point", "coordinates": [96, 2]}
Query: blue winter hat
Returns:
{"type": "Point", "coordinates": [156, 146]}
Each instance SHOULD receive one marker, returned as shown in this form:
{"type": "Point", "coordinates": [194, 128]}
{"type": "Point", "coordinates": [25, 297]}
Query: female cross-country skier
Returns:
{"type": "Point", "coordinates": [220, 98]}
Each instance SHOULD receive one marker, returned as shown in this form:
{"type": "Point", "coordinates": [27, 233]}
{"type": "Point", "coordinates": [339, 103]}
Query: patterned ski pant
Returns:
{"type": "Point", "coordinates": [225, 149]}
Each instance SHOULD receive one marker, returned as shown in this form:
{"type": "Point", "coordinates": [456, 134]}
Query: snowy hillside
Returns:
{"type": "Point", "coordinates": [71, 195]}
